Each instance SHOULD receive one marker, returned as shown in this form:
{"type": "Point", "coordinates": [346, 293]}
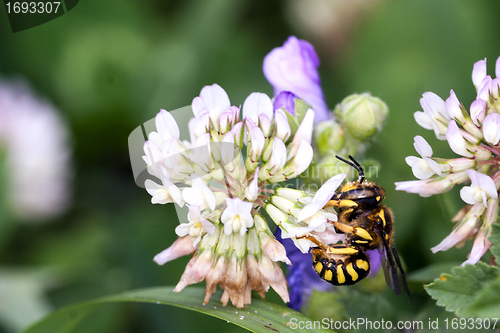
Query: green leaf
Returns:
{"type": "Point", "coordinates": [431, 272]}
{"type": "Point", "coordinates": [456, 291]}
{"type": "Point", "coordinates": [486, 304]}
{"type": "Point", "coordinates": [495, 240]}
{"type": "Point", "coordinates": [260, 316]}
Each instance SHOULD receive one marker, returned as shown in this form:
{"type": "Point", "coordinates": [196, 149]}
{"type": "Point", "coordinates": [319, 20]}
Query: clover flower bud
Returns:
{"type": "Point", "coordinates": [362, 115]}
{"type": "Point", "coordinates": [329, 136]}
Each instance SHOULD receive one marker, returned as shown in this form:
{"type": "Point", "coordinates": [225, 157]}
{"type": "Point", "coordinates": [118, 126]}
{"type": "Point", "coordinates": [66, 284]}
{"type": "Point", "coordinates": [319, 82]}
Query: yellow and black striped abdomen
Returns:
{"type": "Point", "coordinates": [343, 270]}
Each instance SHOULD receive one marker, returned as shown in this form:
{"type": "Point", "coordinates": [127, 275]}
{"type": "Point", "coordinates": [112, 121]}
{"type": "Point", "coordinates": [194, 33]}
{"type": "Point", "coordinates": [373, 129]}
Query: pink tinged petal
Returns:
{"type": "Point", "coordinates": [252, 191]}
{"type": "Point", "coordinates": [426, 188]}
{"type": "Point", "coordinates": [423, 120]}
{"type": "Point", "coordinates": [491, 128]}
{"type": "Point", "coordinates": [481, 245]}
{"type": "Point", "coordinates": [478, 111]}
{"type": "Point", "coordinates": [453, 107]}
{"type": "Point", "coordinates": [166, 125]}
{"type": "Point", "coordinates": [255, 105]}
{"type": "Point", "coordinates": [215, 100]}
{"type": "Point", "coordinates": [422, 147]}
{"type": "Point", "coordinates": [457, 235]}
{"type": "Point", "coordinates": [479, 73]}
{"type": "Point", "coordinates": [283, 130]}
{"type": "Point", "coordinates": [456, 141]}
{"type": "Point", "coordinates": [196, 270]}
{"type": "Point", "coordinates": [181, 247]}
{"type": "Point", "coordinates": [484, 89]}
{"type": "Point", "coordinates": [322, 196]}
{"type": "Point", "coordinates": [293, 68]}
{"type": "Point", "coordinates": [497, 68]}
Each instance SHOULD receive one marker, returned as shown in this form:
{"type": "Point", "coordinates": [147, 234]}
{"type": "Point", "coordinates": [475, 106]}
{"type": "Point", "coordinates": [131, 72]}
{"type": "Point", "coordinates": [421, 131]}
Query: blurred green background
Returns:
{"type": "Point", "coordinates": [109, 66]}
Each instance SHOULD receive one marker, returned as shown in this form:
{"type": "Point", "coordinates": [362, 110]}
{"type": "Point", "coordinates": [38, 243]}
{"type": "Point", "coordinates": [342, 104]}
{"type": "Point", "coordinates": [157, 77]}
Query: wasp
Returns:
{"type": "Point", "coordinates": [368, 225]}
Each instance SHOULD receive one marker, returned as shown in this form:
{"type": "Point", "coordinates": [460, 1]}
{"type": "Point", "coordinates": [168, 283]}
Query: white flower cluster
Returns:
{"type": "Point", "coordinates": [37, 153]}
{"type": "Point", "coordinates": [474, 135]}
{"type": "Point", "coordinates": [221, 175]}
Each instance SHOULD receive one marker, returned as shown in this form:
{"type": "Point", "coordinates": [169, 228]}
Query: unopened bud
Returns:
{"type": "Point", "coordinates": [362, 115]}
{"type": "Point", "coordinates": [330, 136]}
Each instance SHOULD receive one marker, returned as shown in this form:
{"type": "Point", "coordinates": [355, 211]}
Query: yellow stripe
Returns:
{"type": "Point", "coordinates": [362, 233]}
{"type": "Point", "coordinates": [340, 274]}
{"type": "Point", "coordinates": [342, 250]}
{"type": "Point", "coordinates": [319, 267]}
{"type": "Point", "coordinates": [347, 203]}
{"type": "Point", "coordinates": [352, 272]}
{"type": "Point", "coordinates": [363, 264]}
{"type": "Point", "coordinates": [381, 214]}
{"type": "Point", "coordinates": [328, 275]}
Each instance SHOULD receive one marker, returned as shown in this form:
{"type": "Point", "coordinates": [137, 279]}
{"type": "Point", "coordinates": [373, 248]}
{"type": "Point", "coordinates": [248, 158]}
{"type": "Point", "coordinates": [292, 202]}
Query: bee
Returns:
{"type": "Point", "coordinates": [368, 225]}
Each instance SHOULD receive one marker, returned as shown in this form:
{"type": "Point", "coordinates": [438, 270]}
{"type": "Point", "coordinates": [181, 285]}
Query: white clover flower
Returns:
{"type": "Point", "coordinates": [434, 116]}
{"type": "Point", "coordinates": [425, 167]}
{"type": "Point", "coordinates": [482, 188]}
{"type": "Point", "coordinates": [222, 174]}
{"type": "Point", "coordinates": [38, 153]}
{"type": "Point", "coordinates": [237, 216]}
{"type": "Point", "coordinates": [475, 136]}
{"type": "Point", "coordinates": [196, 227]}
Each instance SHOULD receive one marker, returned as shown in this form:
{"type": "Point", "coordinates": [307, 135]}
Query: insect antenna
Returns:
{"type": "Point", "coordinates": [355, 165]}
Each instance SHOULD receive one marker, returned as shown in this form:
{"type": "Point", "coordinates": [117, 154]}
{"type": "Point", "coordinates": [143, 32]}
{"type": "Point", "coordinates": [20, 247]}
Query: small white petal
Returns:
{"type": "Point", "coordinates": [197, 106]}
{"type": "Point", "coordinates": [421, 169]}
{"type": "Point", "coordinates": [304, 132]}
{"type": "Point", "coordinates": [453, 107]}
{"type": "Point", "coordinates": [484, 182]}
{"type": "Point", "coordinates": [302, 160]}
{"type": "Point", "coordinates": [479, 72]}
{"type": "Point", "coordinates": [491, 128]}
{"type": "Point", "coordinates": [166, 125]}
{"type": "Point", "coordinates": [215, 100]}
{"type": "Point", "coordinates": [422, 147]}
{"type": "Point", "coordinates": [278, 156]}
{"type": "Point", "coordinates": [497, 68]}
{"type": "Point", "coordinates": [467, 193]}
{"type": "Point", "coordinates": [324, 194]}
{"type": "Point", "coordinates": [423, 120]}
{"type": "Point", "coordinates": [412, 160]}
{"type": "Point", "coordinates": [255, 105]}
{"type": "Point", "coordinates": [283, 130]}
{"type": "Point", "coordinates": [433, 105]}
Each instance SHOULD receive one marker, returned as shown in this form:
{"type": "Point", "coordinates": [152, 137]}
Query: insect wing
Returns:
{"type": "Point", "coordinates": [389, 267]}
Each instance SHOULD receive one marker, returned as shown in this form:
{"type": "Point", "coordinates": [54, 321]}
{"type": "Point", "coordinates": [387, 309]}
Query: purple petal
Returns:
{"type": "Point", "coordinates": [293, 68]}
{"type": "Point", "coordinates": [301, 276]}
{"type": "Point", "coordinates": [285, 100]}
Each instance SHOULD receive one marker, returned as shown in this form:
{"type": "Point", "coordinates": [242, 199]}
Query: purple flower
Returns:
{"type": "Point", "coordinates": [293, 68]}
{"type": "Point", "coordinates": [301, 277]}
{"type": "Point", "coordinates": [285, 100]}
